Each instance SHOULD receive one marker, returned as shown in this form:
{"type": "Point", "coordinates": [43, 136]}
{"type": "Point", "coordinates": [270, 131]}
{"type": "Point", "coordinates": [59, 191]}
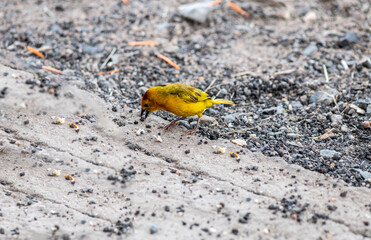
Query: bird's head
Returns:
{"type": "Point", "coordinates": [145, 107]}
{"type": "Point", "coordinates": [149, 103]}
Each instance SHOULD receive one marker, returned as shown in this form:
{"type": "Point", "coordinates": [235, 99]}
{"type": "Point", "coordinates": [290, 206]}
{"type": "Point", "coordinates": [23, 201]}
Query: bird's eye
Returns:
{"type": "Point", "coordinates": [146, 105]}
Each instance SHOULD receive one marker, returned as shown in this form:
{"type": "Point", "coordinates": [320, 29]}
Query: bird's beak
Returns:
{"type": "Point", "coordinates": [142, 118]}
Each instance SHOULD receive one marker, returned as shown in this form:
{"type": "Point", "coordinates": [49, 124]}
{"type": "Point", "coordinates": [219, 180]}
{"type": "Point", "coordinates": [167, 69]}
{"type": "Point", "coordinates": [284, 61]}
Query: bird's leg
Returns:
{"type": "Point", "coordinates": [195, 129]}
{"type": "Point", "coordinates": [172, 123]}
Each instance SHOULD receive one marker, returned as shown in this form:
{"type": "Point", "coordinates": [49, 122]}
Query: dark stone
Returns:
{"type": "Point", "coordinates": [59, 8]}
{"type": "Point", "coordinates": [321, 97]}
{"type": "Point", "coordinates": [235, 231]}
{"type": "Point", "coordinates": [343, 194]}
{"type": "Point", "coordinates": [3, 92]}
{"type": "Point", "coordinates": [245, 218]}
{"type": "Point", "coordinates": [348, 39]}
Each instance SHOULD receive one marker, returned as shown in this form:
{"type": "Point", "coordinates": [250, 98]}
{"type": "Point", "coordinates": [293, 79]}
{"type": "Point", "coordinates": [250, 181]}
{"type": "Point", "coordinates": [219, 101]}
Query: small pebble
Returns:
{"type": "Point", "coordinates": [366, 124]}
{"type": "Point", "coordinates": [308, 51]}
{"type": "Point", "coordinates": [336, 120]}
{"type": "Point", "coordinates": [219, 150]}
{"type": "Point", "coordinates": [154, 229]}
{"type": "Point", "coordinates": [197, 11]}
{"type": "Point", "coordinates": [311, 16]}
{"type": "Point", "coordinates": [140, 132]}
{"type": "Point", "coordinates": [239, 142]}
{"type": "Point", "coordinates": [322, 98]}
{"type": "Point", "coordinates": [87, 190]}
{"type": "Point", "coordinates": [348, 39]}
{"type": "Point", "coordinates": [343, 194]}
{"type": "Point", "coordinates": [358, 109]}
{"type": "Point", "coordinates": [245, 218]}
{"type": "Point", "coordinates": [91, 138]}
{"type": "Point", "coordinates": [296, 105]}
{"type": "Point", "coordinates": [55, 172]}
{"type": "Point", "coordinates": [235, 231]}
{"type": "Point", "coordinates": [330, 154]}
{"type": "Point", "coordinates": [158, 138]}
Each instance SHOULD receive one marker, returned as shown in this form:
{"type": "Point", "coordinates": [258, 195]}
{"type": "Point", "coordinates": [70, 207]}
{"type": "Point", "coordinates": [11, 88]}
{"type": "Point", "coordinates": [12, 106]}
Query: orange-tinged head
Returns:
{"type": "Point", "coordinates": [150, 102]}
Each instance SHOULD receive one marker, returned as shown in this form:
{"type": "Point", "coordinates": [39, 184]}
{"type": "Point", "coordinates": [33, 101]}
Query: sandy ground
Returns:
{"type": "Point", "coordinates": [181, 188]}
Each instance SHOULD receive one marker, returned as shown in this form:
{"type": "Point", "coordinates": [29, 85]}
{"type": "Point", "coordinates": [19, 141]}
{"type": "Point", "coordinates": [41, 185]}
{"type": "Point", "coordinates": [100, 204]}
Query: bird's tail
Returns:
{"type": "Point", "coordinates": [222, 101]}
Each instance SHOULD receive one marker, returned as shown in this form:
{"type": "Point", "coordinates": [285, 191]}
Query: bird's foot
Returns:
{"type": "Point", "coordinates": [189, 132]}
{"type": "Point", "coordinates": [172, 123]}
{"type": "Point", "coordinates": [167, 127]}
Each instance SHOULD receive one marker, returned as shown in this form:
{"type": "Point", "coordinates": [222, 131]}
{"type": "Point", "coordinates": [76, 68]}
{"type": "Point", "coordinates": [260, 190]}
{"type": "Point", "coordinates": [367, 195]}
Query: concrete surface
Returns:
{"type": "Point", "coordinates": [205, 194]}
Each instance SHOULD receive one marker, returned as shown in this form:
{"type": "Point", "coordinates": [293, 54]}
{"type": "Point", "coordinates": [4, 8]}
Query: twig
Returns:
{"type": "Point", "coordinates": [51, 69]}
{"type": "Point", "coordinates": [284, 72]}
{"type": "Point", "coordinates": [348, 106]}
{"type": "Point", "coordinates": [329, 131]}
{"type": "Point", "coordinates": [109, 72]}
{"type": "Point", "coordinates": [216, 2]}
{"type": "Point", "coordinates": [40, 49]}
{"type": "Point", "coordinates": [336, 103]}
{"type": "Point", "coordinates": [35, 51]}
{"type": "Point", "coordinates": [113, 71]}
{"type": "Point", "coordinates": [245, 73]}
{"type": "Point", "coordinates": [217, 93]}
{"type": "Point", "coordinates": [142, 43]}
{"type": "Point", "coordinates": [108, 58]}
{"type": "Point", "coordinates": [166, 59]}
{"type": "Point", "coordinates": [211, 84]}
{"type": "Point", "coordinates": [325, 71]}
{"type": "Point", "coordinates": [238, 131]}
{"type": "Point", "coordinates": [238, 9]}
{"type": "Point", "coordinates": [345, 65]}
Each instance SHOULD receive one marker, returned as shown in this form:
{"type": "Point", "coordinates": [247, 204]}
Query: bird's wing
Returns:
{"type": "Point", "coordinates": [187, 93]}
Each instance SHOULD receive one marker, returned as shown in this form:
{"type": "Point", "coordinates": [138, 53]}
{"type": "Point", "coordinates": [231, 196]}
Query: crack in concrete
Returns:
{"type": "Point", "coordinates": [41, 197]}
{"type": "Point", "coordinates": [16, 136]}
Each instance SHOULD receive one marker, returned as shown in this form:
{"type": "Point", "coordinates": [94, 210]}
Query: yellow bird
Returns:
{"type": "Point", "coordinates": [179, 99]}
